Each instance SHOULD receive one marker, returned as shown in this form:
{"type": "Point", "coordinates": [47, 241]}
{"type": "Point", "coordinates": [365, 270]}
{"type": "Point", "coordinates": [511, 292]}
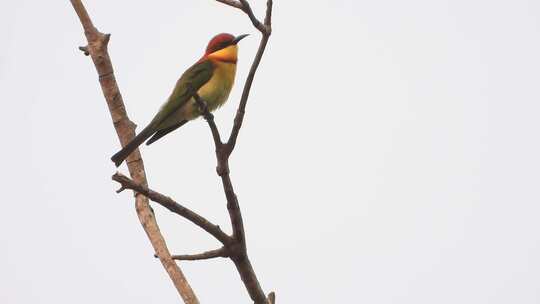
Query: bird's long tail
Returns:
{"type": "Point", "coordinates": [121, 155]}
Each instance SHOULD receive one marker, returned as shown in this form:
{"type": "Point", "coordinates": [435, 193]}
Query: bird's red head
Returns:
{"type": "Point", "coordinates": [218, 42]}
{"type": "Point", "coordinates": [221, 41]}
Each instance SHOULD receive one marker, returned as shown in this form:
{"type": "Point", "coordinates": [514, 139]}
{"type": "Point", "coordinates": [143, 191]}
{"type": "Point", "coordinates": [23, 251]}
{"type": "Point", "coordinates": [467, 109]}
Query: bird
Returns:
{"type": "Point", "coordinates": [212, 78]}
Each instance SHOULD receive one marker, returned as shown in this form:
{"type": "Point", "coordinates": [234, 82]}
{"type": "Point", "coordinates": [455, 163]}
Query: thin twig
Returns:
{"type": "Point", "coordinates": [238, 249]}
{"type": "Point", "coordinates": [97, 49]}
{"type": "Point", "coordinates": [174, 207]}
{"type": "Point", "coordinates": [256, 23]}
{"type": "Point", "coordinates": [211, 254]}
{"type": "Point", "coordinates": [232, 3]}
{"type": "Point", "coordinates": [272, 298]}
{"type": "Point", "coordinates": [239, 118]}
{"type": "Point", "coordinates": [268, 17]}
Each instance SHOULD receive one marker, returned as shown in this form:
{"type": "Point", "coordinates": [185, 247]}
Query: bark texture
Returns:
{"type": "Point", "coordinates": [97, 49]}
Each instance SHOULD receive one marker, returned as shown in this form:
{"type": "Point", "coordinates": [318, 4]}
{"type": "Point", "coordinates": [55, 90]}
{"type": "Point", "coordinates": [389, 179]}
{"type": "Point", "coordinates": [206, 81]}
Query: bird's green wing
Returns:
{"type": "Point", "coordinates": [162, 132]}
{"type": "Point", "coordinates": [188, 84]}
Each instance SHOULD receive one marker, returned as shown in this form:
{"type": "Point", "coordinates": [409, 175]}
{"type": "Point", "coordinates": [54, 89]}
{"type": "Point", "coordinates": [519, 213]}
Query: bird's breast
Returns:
{"type": "Point", "coordinates": [216, 91]}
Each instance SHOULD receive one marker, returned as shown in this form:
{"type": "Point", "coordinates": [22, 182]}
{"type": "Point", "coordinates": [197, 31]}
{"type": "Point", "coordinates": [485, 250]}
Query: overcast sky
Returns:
{"type": "Point", "coordinates": [389, 155]}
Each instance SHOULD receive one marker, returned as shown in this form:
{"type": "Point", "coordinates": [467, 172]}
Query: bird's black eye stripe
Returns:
{"type": "Point", "coordinates": [225, 44]}
{"type": "Point", "coordinates": [221, 45]}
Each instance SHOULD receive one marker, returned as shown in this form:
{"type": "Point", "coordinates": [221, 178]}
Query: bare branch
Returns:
{"type": "Point", "coordinates": [211, 254]}
{"type": "Point", "coordinates": [173, 206]}
{"type": "Point", "coordinates": [125, 129]}
{"type": "Point", "coordinates": [238, 250]}
{"type": "Point", "coordinates": [232, 3]}
{"type": "Point", "coordinates": [86, 22]}
{"type": "Point", "coordinates": [239, 118]}
{"type": "Point", "coordinates": [272, 298]}
{"type": "Point", "coordinates": [268, 17]}
{"type": "Point", "coordinates": [256, 23]}
{"type": "Point", "coordinates": [246, 8]}
{"type": "Point", "coordinates": [240, 112]}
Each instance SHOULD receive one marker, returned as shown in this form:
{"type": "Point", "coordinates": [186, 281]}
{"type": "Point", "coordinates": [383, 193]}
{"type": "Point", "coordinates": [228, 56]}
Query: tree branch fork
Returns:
{"type": "Point", "coordinates": [234, 246]}
{"type": "Point", "coordinates": [231, 247]}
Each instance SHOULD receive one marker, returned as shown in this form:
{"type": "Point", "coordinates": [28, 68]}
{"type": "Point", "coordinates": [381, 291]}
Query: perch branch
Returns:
{"type": "Point", "coordinates": [125, 129]}
{"type": "Point", "coordinates": [209, 117]}
{"type": "Point", "coordinates": [238, 249]}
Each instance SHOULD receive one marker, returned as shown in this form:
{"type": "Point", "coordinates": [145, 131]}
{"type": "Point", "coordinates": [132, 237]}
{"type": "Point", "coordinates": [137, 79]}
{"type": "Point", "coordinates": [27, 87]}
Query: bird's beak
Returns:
{"type": "Point", "coordinates": [238, 38]}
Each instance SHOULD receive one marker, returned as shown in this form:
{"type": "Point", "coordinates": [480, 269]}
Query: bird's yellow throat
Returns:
{"type": "Point", "coordinates": [228, 54]}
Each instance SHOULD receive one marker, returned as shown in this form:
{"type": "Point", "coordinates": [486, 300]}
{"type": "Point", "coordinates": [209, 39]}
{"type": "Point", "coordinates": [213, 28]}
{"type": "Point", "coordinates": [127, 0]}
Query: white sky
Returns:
{"type": "Point", "coordinates": [390, 153]}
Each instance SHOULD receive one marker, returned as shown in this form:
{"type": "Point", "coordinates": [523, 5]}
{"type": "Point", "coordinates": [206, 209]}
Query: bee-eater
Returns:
{"type": "Point", "coordinates": [211, 77]}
